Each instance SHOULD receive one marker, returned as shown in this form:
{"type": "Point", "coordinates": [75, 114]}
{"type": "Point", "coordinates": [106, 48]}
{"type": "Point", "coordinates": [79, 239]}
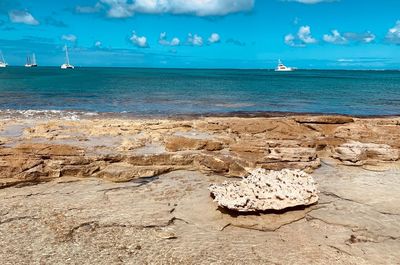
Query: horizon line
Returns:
{"type": "Point", "coordinates": [212, 68]}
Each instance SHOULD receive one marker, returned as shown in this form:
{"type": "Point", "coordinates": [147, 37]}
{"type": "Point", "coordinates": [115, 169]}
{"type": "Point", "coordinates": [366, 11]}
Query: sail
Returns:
{"type": "Point", "coordinates": [34, 59]}
{"type": "Point", "coordinates": [66, 55]}
{"type": "Point", "coordinates": [2, 58]}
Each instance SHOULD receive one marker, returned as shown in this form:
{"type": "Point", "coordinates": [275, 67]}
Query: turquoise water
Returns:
{"type": "Point", "coordinates": [178, 91]}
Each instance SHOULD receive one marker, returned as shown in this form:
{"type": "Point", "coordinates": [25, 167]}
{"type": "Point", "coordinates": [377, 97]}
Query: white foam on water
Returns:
{"type": "Point", "coordinates": [46, 114]}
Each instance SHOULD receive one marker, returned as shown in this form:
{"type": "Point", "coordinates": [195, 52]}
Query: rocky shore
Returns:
{"type": "Point", "coordinates": [136, 191]}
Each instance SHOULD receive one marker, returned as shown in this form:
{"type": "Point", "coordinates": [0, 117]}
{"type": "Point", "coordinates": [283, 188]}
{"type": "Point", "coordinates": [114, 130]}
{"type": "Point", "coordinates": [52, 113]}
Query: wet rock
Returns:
{"type": "Point", "coordinates": [267, 190]}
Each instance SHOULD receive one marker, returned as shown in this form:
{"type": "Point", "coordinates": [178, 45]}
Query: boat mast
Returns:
{"type": "Point", "coordinates": [33, 59]}
{"type": "Point", "coordinates": [66, 55]}
{"type": "Point", "coordinates": [2, 58]}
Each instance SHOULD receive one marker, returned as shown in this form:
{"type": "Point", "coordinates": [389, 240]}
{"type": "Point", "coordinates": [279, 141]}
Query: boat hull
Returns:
{"type": "Point", "coordinates": [284, 70]}
{"type": "Point", "coordinates": [67, 66]}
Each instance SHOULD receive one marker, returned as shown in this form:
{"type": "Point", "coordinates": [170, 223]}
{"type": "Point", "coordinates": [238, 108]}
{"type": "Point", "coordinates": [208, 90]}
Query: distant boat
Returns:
{"type": "Point", "coordinates": [282, 68]}
{"type": "Point", "coordinates": [67, 65]}
{"type": "Point", "coordinates": [3, 63]}
{"type": "Point", "coordinates": [31, 62]}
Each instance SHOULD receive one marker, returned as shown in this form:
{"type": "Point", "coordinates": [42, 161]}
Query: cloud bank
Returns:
{"type": "Point", "coordinates": [310, 2]}
{"type": "Point", "coordinates": [202, 8]}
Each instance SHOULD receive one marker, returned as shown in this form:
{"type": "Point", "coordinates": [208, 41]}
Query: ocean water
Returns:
{"type": "Point", "coordinates": [187, 92]}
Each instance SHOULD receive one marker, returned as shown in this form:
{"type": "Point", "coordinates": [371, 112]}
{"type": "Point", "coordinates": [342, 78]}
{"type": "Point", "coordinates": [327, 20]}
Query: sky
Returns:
{"type": "Point", "coordinates": [325, 34]}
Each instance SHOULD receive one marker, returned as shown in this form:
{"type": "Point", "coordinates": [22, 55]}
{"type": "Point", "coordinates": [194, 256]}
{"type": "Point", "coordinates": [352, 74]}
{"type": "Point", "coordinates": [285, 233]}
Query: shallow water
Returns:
{"type": "Point", "coordinates": [184, 91]}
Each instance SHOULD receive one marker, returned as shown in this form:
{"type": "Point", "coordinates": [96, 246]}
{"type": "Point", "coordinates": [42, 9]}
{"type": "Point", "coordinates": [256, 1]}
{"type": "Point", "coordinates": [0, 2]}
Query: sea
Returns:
{"type": "Point", "coordinates": [174, 92]}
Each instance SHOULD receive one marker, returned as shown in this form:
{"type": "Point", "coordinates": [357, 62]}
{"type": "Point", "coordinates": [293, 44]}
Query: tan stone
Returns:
{"type": "Point", "coordinates": [179, 143]}
{"type": "Point", "coordinates": [122, 172]}
{"type": "Point", "coordinates": [324, 119]}
{"type": "Point", "coordinates": [356, 153]}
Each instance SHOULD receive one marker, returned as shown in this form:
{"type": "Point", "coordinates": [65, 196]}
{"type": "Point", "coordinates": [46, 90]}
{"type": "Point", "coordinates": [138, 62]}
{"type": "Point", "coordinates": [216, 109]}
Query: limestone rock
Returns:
{"type": "Point", "coordinates": [122, 172]}
{"type": "Point", "coordinates": [220, 164]}
{"type": "Point", "coordinates": [324, 119]}
{"type": "Point", "coordinates": [267, 190]}
{"type": "Point", "coordinates": [356, 153]}
{"type": "Point", "coordinates": [292, 154]}
{"type": "Point", "coordinates": [180, 143]}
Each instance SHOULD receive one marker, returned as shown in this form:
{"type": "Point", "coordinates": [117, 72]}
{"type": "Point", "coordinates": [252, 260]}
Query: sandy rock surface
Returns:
{"type": "Point", "coordinates": [108, 191]}
{"type": "Point", "coordinates": [172, 219]}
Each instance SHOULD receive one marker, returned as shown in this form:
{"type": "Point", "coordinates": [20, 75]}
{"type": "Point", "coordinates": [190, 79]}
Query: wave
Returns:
{"type": "Point", "coordinates": [46, 114]}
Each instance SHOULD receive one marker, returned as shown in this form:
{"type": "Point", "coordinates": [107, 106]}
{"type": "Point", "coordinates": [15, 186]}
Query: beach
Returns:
{"type": "Point", "coordinates": [101, 190]}
{"type": "Point", "coordinates": [215, 132]}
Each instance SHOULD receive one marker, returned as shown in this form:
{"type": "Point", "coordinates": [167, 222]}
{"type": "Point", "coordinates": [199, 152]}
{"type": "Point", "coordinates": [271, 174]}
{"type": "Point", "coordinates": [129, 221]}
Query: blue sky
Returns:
{"type": "Point", "coordinates": [343, 34]}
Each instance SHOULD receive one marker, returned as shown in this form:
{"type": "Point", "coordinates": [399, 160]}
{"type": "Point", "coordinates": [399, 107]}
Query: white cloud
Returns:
{"type": "Point", "coordinates": [335, 37]}
{"type": "Point", "coordinates": [119, 8]}
{"type": "Point", "coordinates": [214, 38]}
{"type": "Point", "coordinates": [305, 36]}
{"type": "Point", "coordinates": [393, 35]}
{"type": "Point", "coordinates": [165, 42]}
{"type": "Point", "coordinates": [308, 2]}
{"type": "Point", "coordinates": [69, 37]}
{"type": "Point", "coordinates": [290, 40]}
{"type": "Point", "coordinates": [195, 40]}
{"type": "Point", "coordinates": [175, 42]}
{"type": "Point", "coordinates": [302, 38]}
{"type": "Point", "coordinates": [139, 41]}
{"type": "Point", "coordinates": [126, 8]}
{"type": "Point", "coordinates": [368, 38]}
{"type": "Point", "coordinates": [24, 17]}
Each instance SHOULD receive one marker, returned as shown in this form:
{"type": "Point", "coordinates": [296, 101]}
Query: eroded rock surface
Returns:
{"type": "Point", "coordinates": [356, 153]}
{"type": "Point", "coordinates": [95, 191]}
{"type": "Point", "coordinates": [32, 151]}
{"type": "Point", "coordinates": [267, 190]}
{"type": "Point", "coordinates": [172, 219]}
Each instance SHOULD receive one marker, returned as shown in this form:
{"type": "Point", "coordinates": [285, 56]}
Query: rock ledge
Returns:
{"type": "Point", "coordinates": [267, 190]}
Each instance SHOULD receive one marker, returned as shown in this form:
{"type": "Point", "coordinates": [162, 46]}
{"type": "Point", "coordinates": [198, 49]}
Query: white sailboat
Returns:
{"type": "Point", "coordinates": [283, 68]}
{"type": "Point", "coordinates": [67, 65]}
{"type": "Point", "coordinates": [31, 62]}
{"type": "Point", "coordinates": [3, 63]}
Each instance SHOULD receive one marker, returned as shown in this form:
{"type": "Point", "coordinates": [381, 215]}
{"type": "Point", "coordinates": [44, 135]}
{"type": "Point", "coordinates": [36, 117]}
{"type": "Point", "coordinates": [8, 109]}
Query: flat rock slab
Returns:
{"type": "Point", "coordinates": [172, 219]}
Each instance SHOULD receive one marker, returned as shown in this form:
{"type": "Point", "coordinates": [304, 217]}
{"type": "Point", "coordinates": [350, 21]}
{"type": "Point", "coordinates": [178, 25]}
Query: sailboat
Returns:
{"type": "Point", "coordinates": [3, 63]}
{"type": "Point", "coordinates": [283, 68]}
{"type": "Point", "coordinates": [67, 65]}
{"type": "Point", "coordinates": [31, 62]}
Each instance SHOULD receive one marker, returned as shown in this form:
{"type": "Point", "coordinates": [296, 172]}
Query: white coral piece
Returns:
{"type": "Point", "coordinates": [267, 190]}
